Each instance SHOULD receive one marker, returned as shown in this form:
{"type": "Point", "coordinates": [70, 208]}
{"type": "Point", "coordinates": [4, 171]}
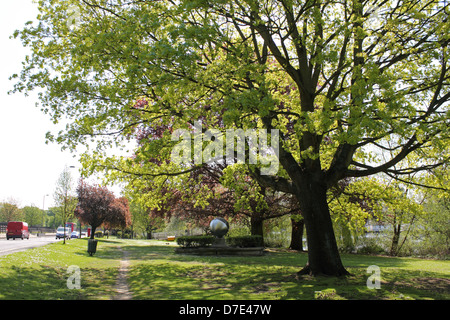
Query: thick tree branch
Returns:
{"type": "Point", "coordinates": [275, 182]}
{"type": "Point", "coordinates": [409, 147]}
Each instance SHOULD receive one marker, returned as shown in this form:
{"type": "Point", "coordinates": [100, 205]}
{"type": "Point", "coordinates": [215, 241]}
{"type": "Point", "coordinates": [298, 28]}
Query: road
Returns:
{"type": "Point", "coordinates": [11, 246]}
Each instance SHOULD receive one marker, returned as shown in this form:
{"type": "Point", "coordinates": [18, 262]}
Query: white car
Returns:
{"type": "Point", "coordinates": [60, 233]}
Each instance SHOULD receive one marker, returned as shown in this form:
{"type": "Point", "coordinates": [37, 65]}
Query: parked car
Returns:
{"type": "Point", "coordinates": [75, 235]}
{"type": "Point", "coordinates": [17, 229]}
{"type": "Point", "coordinates": [60, 233]}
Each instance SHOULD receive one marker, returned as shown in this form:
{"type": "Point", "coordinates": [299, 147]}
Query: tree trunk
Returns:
{"type": "Point", "coordinates": [395, 240]}
{"type": "Point", "coordinates": [406, 236]}
{"type": "Point", "coordinates": [297, 234]}
{"type": "Point", "coordinates": [323, 254]}
{"type": "Point", "coordinates": [256, 226]}
{"type": "Point", "coordinates": [93, 231]}
{"type": "Point", "coordinates": [148, 229]}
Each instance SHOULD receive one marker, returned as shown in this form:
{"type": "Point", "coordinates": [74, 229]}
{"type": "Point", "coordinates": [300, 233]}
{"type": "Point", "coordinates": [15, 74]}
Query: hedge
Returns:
{"type": "Point", "coordinates": [195, 241]}
{"type": "Point", "coordinates": [245, 241]}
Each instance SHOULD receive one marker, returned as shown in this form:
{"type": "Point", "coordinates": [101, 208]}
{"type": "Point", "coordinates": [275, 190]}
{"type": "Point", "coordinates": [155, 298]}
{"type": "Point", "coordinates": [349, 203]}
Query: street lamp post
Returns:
{"type": "Point", "coordinates": [43, 210]}
{"type": "Point", "coordinates": [73, 167]}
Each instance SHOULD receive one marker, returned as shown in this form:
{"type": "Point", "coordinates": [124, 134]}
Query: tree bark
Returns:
{"type": "Point", "coordinates": [309, 185]}
{"type": "Point", "coordinates": [93, 231]}
{"type": "Point", "coordinates": [297, 234]}
{"type": "Point", "coordinates": [323, 254]}
{"type": "Point", "coordinates": [256, 226]}
{"type": "Point", "coordinates": [395, 240]}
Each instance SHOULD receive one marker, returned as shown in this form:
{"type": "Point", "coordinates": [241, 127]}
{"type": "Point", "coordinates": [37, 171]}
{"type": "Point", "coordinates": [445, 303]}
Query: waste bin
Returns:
{"type": "Point", "coordinates": [92, 246]}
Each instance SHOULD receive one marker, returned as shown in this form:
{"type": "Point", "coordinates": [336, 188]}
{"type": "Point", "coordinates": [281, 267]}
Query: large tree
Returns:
{"type": "Point", "coordinates": [343, 81]}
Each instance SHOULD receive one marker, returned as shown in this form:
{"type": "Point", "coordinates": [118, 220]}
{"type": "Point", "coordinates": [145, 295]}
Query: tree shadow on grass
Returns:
{"type": "Point", "coordinates": [50, 283]}
{"type": "Point", "coordinates": [200, 282]}
{"type": "Point", "coordinates": [33, 283]}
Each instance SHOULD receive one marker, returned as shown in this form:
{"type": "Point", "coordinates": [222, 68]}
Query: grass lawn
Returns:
{"type": "Point", "coordinates": [41, 273]}
{"type": "Point", "coordinates": [156, 272]}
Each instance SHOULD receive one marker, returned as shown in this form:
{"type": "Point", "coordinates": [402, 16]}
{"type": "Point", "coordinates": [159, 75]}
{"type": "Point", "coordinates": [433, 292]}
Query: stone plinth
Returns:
{"type": "Point", "coordinates": [219, 243]}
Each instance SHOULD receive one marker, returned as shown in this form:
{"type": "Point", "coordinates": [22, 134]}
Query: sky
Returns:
{"type": "Point", "coordinates": [29, 168]}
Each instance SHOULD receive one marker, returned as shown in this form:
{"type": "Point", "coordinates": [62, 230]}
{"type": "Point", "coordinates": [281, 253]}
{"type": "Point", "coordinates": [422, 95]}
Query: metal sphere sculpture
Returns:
{"type": "Point", "coordinates": [219, 227]}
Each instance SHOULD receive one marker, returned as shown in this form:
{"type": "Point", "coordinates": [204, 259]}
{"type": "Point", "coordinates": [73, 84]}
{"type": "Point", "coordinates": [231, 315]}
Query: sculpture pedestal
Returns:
{"type": "Point", "coordinates": [219, 243]}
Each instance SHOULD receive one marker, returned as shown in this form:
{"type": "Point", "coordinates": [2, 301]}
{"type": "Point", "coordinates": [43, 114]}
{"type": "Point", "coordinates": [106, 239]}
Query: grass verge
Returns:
{"type": "Point", "coordinates": [156, 272]}
{"type": "Point", "coordinates": [42, 273]}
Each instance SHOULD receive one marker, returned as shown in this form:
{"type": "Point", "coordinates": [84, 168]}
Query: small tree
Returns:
{"type": "Point", "coordinates": [64, 198]}
{"type": "Point", "coordinates": [142, 221]}
{"type": "Point", "coordinates": [94, 205]}
{"type": "Point", "coordinates": [10, 211]}
{"type": "Point", "coordinates": [119, 214]}
{"type": "Point", "coordinates": [402, 211]}
{"type": "Point", "coordinates": [435, 227]}
{"type": "Point", "coordinates": [97, 205]}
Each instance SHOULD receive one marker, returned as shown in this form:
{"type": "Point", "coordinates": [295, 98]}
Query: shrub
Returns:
{"type": "Point", "coordinates": [195, 241]}
{"type": "Point", "coordinates": [371, 248]}
{"type": "Point", "coordinates": [123, 235]}
{"type": "Point", "coordinates": [245, 241]}
{"type": "Point", "coordinates": [98, 234]}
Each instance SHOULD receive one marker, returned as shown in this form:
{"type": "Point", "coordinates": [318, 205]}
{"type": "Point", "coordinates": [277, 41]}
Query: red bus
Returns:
{"type": "Point", "coordinates": [72, 226]}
